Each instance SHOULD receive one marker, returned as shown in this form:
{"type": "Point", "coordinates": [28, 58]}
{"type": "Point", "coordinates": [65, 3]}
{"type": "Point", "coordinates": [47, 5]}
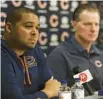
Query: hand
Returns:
{"type": "Point", "coordinates": [51, 87]}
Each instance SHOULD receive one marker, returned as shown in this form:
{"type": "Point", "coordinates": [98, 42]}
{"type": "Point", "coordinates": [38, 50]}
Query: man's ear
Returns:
{"type": "Point", "coordinates": [8, 27]}
{"type": "Point", "coordinates": [74, 25]}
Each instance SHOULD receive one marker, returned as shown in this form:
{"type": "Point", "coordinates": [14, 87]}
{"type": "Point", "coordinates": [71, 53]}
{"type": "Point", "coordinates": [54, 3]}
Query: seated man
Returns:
{"type": "Point", "coordinates": [24, 74]}
{"type": "Point", "coordinates": [78, 50]}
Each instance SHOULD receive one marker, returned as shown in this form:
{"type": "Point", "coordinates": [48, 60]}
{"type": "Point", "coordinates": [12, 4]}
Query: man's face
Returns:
{"type": "Point", "coordinates": [87, 28]}
{"type": "Point", "coordinates": [25, 33]}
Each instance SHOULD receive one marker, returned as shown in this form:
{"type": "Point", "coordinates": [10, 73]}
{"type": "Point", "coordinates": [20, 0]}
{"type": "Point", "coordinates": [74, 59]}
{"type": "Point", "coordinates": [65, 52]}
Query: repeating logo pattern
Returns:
{"type": "Point", "coordinates": [54, 15]}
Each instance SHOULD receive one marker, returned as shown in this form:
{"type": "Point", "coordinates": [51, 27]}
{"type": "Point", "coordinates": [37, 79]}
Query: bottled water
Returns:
{"type": "Point", "coordinates": [64, 92]}
{"type": "Point", "coordinates": [77, 90]}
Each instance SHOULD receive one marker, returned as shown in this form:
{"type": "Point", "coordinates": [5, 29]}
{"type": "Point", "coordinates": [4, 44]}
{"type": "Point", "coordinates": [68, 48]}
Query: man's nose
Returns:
{"type": "Point", "coordinates": [93, 28]}
{"type": "Point", "coordinates": [34, 31]}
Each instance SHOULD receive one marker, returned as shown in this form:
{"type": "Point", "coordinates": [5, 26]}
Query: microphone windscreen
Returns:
{"type": "Point", "coordinates": [87, 87]}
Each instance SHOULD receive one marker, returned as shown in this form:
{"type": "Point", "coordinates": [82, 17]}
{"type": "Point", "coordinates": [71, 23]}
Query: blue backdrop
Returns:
{"type": "Point", "coordinates": [55, 18]}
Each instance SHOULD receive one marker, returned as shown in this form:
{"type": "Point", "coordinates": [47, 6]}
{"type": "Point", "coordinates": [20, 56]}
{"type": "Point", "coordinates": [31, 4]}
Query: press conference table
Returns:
{"type": "Point", "coordinates": [94, 97]}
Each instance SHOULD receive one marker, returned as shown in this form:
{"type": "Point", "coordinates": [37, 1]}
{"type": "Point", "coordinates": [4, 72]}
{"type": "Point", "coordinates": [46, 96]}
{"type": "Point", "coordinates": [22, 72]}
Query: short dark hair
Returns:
{"type": "Point", "coordinates": [15, 15]}
{"type": "Point", "coordinates": [82, 7]}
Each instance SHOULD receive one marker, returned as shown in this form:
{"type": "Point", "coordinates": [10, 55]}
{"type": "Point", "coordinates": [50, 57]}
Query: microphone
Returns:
{"type": "Point", "coordinates": [77, 71]}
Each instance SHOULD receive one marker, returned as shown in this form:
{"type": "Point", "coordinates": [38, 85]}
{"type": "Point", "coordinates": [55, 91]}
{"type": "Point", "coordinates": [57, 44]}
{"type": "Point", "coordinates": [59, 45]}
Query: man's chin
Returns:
{"type": "Point", "coordinates": [91, 41]}
{"type": "Point", "coordinates": [30, 46]}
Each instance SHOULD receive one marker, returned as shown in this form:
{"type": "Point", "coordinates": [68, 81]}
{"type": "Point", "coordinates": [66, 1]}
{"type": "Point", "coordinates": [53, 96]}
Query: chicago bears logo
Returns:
{"type": "Point", "coordinates": [30, 61]}
{"type": "Point", "coordinates": [98, 63]}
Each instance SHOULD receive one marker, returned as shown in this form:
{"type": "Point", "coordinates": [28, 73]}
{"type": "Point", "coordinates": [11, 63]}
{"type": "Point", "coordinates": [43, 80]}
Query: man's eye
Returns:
{"type": "Point", "coordinates": [28, 26]}
{"type": "Point", "coordinates": [87, 24]}
{"type": "Point", "coordinates": [37, 28]}
{"type": "Point", "coordinates": [97, 24]}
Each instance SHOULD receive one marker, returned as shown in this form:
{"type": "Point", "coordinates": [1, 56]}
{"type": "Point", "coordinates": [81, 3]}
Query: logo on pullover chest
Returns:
{"type": "Point", "coordinates": [98, 63]}
{"type": "Point", "coordinates": [30, 61]}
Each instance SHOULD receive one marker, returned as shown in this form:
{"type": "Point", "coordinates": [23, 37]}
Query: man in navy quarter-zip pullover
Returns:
{"type": "Point", "coordinates": [79, 50]}
{"type": "Point", "coordinates": [24, 73]}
